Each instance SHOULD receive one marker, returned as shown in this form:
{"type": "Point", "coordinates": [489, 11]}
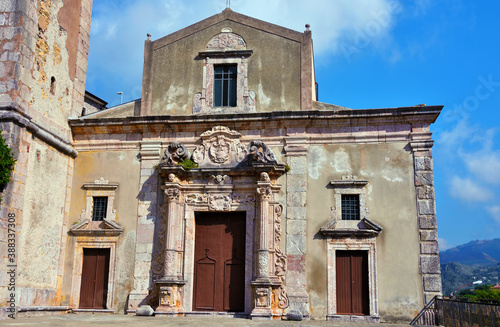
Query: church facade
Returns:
{"type": "Point", "coordinates": [228, 188]}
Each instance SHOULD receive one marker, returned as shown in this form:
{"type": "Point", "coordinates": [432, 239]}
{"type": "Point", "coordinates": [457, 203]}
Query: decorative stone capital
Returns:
{"type": "Point", "coordinates": [265, 193]}
{"type": "Point", "coordinates": [172, 194]}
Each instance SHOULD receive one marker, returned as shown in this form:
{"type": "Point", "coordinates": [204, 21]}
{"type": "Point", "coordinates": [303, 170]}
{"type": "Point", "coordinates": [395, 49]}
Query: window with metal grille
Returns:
{"type": "Point", "coordinates": [225, 85]}
{"type": "Point", "coordinates": [350, 206]}
{"type": "Point", "coordinates": [100, 207]}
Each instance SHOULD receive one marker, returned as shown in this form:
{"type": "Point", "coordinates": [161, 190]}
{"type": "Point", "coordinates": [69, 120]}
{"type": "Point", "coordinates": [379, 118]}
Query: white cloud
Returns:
{"type": "Point", "coordinates": [485, 165]}
{"type": "Point", "coordinates": [451, 139]}
{"type": "Point", "coordinates": [494, 211]}
{"type": "Point", "coordinates": [443, 244]}
{"type": "Point", "coordinates": [468, 190]}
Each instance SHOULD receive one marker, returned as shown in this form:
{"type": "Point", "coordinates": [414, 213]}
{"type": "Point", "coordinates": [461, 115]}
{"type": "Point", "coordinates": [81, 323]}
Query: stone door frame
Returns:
{"type": "Point", "coordinates": [190, 235]}
{"type": "Point", "coordinates": [352, 244]}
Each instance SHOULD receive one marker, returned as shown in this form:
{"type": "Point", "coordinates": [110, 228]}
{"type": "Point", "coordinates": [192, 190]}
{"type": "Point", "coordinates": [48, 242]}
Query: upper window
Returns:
{"type": "Point", "coordinates": [99, 208]}
{"type": "Point", "coordinates": [225, 85]}
{"type": "Point", "coordinates": [350, 207]}
{"type": "Point", "coordinates": [100, 197]}
{"type": "Point", "coordinates": [225, 76]}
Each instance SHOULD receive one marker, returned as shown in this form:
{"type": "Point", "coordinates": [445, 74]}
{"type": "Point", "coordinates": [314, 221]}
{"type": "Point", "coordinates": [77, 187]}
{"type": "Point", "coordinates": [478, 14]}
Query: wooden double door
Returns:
{"type": "Point", "coordinates": [94, 286]}
{"type": "Point", "coordinates": [219, 271]}
{"type": "Point", "coordinates": [352, 282]}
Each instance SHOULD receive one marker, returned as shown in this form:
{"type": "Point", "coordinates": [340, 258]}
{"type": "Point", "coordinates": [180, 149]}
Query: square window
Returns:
{"type": "Point", "coordinates": [100, 207]}
{"type": "Point", "coordinates": [225, 85]}
{"type": "Point", "coordinates": [350, 207]}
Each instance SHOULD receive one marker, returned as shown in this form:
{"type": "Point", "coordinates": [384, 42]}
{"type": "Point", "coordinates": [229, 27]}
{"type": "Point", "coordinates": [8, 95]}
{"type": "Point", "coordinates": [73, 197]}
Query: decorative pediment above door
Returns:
{"type": "Point", "coordinates": [222, 147]}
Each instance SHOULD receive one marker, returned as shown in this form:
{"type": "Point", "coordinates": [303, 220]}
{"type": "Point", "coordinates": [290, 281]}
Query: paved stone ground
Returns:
{"type": "Point", "coordinates": [81, 320]}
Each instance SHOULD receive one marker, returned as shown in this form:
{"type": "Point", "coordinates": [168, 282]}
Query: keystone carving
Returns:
{"type": "Point", "coordinates": [219, 180]}
{"type": "Point", "coordinates": [219, 202]}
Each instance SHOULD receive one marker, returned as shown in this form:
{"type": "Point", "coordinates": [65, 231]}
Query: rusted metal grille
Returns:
{"type": "Point", "coordinates": [350, 207]}
{"type": "Point", "coordinates": [458, 313]}
{"type": "Point", "coordinates": [100, 207]}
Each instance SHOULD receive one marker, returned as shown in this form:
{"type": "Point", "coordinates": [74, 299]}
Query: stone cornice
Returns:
{"type": "Point", "coordinates": [348, 183]}
{"type": "Point", "coordinates": [360, 118]}
{"type": "Point", "coordinates": [421, 145]}
{"type": "Point", "coordinates": [229, 53]}
{"type": "Point", "coordinates": [11, 112]}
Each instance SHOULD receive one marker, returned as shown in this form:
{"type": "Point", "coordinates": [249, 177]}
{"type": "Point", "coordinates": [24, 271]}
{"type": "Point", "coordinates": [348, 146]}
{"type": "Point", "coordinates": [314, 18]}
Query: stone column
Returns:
{"type": "Point", "coordinates": [265, 193]}
{"type": "Point", "coordinates": [170, 284]}
{"type": "Point", "coordinates": [296, 213]}
{"type": "Point", "coordinates": [426, 214]}
{"type": "Point", "coordinates": [173, 230]}
{"type": "Point", "coordinates": [262, 284]}
{"type": "Point", "coordinates": [146, 217]}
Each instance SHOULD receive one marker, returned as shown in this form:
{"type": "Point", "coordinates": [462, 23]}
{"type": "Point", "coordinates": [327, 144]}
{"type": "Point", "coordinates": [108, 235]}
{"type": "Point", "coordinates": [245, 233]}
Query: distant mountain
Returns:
{"type": "Point", "coordinates": [475, 253]}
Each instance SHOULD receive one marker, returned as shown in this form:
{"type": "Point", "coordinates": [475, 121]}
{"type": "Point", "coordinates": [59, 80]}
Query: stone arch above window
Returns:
{"type": "Point", "coordinates": [226, 40]}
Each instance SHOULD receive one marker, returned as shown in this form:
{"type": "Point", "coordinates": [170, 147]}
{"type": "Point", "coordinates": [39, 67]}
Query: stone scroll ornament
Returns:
{"type": "Point", "coordinates": [280, 264]}
{"type": "Point", "coordinates": [260, 153]}
{"type": "Point", "coordinates": [175, 153]}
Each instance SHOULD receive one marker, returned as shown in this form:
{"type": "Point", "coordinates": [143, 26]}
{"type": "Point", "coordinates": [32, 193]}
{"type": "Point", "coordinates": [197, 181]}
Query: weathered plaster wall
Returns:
{"type": "Point", "coordinates": [390, 199]}
{"type": "Point", "coordinates": [274, 70]}
{"type": "Point", "coordinates": [43, 59]}
{"type": "Point", "coordinates": [40, 40]}
{"type": "Point", "coordinates": [43, 218]}
{"type": "Point", "coordinates": [122, 167]}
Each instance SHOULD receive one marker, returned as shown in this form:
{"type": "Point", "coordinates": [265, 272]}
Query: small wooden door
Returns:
{"type": "Point", "coordinates": [95, 271]}
{"type": "Point", "coordinates": [352, 282]}
{"type": "Point", "coordinates": [219, 272]}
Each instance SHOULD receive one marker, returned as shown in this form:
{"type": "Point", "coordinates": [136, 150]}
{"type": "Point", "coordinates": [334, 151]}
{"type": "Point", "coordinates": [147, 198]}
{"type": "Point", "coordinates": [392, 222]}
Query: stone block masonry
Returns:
{"type": "Point", "coordinates": [426, 211]}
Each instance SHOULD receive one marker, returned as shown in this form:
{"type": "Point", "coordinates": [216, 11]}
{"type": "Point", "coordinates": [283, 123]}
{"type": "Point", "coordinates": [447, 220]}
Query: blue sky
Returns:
{"type": "Point", "coordinates": [368, 54]}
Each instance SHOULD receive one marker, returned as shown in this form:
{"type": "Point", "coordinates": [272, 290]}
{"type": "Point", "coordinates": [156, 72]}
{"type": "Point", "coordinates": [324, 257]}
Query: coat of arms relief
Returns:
{"type": "Point", "coordinates": [220, 147]}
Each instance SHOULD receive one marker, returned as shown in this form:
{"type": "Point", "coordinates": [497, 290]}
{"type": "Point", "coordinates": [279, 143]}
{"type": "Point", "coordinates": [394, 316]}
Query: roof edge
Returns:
{"type": "Point", "coordinates": [432, 111]}
{"type": "Point", "coordinates": [228, 14]}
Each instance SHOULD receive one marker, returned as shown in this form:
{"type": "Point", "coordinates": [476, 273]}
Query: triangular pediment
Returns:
{"type": "Point", "coordinates": [86, 227]}
{"type": "Point", "coordinates": [359, 228]}
{"type": "Point", "coordinates": [233, 16]}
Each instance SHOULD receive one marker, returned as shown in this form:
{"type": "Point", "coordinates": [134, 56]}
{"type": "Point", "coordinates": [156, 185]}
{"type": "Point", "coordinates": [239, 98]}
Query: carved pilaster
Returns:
{"type": "Point", "coordinates": [265, 193]}
{"type": "Point", "coordinates": [262, 284]}
{"type": "Point", "coordinates": [173, 229]}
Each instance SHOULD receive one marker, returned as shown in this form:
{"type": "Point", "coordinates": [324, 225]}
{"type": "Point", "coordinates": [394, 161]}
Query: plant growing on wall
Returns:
{"type": "Point", "coordinates": [188, 164]}
{"type": "Point", "coordinates": [6, 164]}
